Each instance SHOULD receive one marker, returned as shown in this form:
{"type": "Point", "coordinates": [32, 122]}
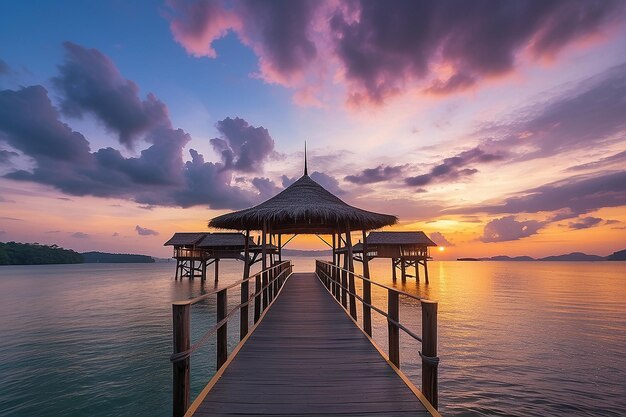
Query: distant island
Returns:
{"type": "Point", "coordinates": [116, 258]}
{"type": "Point", "coordinates": [309, 253]}
{"type": "Point", "coordinates": [13, 253]}
{"type": "Point", "coordinates": [570, 257]}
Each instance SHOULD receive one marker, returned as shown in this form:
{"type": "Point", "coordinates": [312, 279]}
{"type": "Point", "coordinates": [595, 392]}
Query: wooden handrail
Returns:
{"type": "Point", "coordinates": [336, 281]}
{"type": "Point", "coordinates": [181, 312]}
{"type": "Point", "coordinates": [203, 297]}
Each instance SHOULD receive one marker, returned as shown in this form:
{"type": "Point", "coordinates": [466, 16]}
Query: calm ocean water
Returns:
{"type": "Point", "coordinates": [522, 339]}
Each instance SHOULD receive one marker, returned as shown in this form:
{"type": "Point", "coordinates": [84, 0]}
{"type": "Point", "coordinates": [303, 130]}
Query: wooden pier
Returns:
{"type": "Point", "coordinates": [305, 355]}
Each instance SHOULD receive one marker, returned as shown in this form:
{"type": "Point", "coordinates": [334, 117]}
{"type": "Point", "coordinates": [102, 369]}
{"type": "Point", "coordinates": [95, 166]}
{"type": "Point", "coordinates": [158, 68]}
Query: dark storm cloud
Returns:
{"type": "Point", "coordinates": [589, 114]}
{"type": "Point", "coordinates": [507, 228]}
{"type": "Point", "coordinates": [90, 82]}
{"type": "Point", "coordinates": [144, 231]}
{"type": "Point", "coordinates": [242, 147]}
{"type": "Point", "coordinates": [575, 196]}
{"type": "Point", "coordinates": [585, 223]}
{"type": "Point", "coordinates": [378, 174]}
{"type": "Point", "coordinates": [452, 169]}
{"type": "Point", "coordinates": [30, 124]}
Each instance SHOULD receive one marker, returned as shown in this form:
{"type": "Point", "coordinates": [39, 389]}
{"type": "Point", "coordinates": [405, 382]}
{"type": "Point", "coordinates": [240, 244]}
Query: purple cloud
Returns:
{"type": "Point", "coordinates": [142, 231]}
{"type": "Point", "coordinates": [574, 196]}
{"type": "Point", "coordinates": [90, 82]}
{"type": "Point", "coordinates": [451, 169]}
{"type": "Point", "coordinates": [378, 174]}
{"type": "Point", "coordinates": [79, 235]}
{"type": "Point", "coordinates": [507, 228]}
{"type": "Point", "coordinates": [440, 239]}
{"type": "Point", "coordinates": [242, 147]}
{"type": "Point", "coordinates": [585, 223]}
{"type": "Point", "coordinates": [30, 124]}
{"type": "Point", "coordinates": [5, 156]}
{"type": "Point", "coordinates": [382, 48]}
{"type": "Point", "coordinates": [267, 188]}
{"type": "Point", "coordinates": [589, 114]}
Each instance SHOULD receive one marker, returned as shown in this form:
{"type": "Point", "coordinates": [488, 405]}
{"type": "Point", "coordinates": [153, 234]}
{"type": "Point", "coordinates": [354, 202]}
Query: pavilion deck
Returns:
{"type": "Point", "coordinates": [307, 357]}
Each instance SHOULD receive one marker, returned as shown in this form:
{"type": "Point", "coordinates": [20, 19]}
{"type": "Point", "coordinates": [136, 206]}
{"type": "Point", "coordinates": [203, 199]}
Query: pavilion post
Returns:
{"type": "Point", "coordinates": [203, 265]}
{"type": "Point", "coordinates": [245, 288]}
{"type": "Point", "coordinates": [344, 277]}
{"type": "Point", "coordinates": [351, 285]}
{"type": "Point", "coordinates": [367, 289]}
{"type": "Point", "coordinates": [280, 248]}
{"type": "Point", "coordinates": [217, 269]}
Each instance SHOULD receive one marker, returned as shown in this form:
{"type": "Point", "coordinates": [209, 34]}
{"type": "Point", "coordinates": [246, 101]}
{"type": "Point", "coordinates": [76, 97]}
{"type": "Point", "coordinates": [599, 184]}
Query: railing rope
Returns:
{"type": "Point", "coordinates": [335, 278]}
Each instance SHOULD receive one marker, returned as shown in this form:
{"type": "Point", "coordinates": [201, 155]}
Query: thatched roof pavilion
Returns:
{"type": "Point", "coordinates": [303, 207]}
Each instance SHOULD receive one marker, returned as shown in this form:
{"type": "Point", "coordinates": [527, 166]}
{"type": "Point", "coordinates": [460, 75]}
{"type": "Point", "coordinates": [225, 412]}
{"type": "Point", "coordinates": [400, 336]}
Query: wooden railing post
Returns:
{"type": "Point", "coordinates": [222, 337]}
{"type": "Point", "coordinates": [257, 298]}
{"type": "Point", "coordinates": [430, 361]}
{"type": "Point", "coordinates": [182, 343]}
{"type": "Point", "coordinates": [243, 313]}
{"type": "Point", "coordinates": [367, 290]}
{"type": "Point", "coordinates": [393, 310]}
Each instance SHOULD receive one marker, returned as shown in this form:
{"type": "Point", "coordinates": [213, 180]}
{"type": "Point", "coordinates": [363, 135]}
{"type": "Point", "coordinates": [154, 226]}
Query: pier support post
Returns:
{"type": "Point", "coordinates": [430, 361]}
{"type": "Point", "coordinates": [403, 269]}
{"type": "Point", "coordinates": [222, 336]}
{"type": "Point", "coordinates": [426, 270]}
{"type": "Point", "coordinates": [417, 270]}
{"type": "Point", "coordinates": [182, 343]}
{"type": "Point", "coordinates": [393, 269]}
{"type": "Point", "coordinates": [344, 280]}
{"type": "Point", "coordinates": [217, 269]}
{"type": "Point", "coordinates": [367, 289]}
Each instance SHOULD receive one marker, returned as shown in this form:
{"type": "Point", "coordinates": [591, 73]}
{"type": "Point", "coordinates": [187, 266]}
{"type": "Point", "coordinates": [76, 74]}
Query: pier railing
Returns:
{"type": "Point", "coordinates": [267, 285]}
{"type": "Point", "coordinates": [340, 283]}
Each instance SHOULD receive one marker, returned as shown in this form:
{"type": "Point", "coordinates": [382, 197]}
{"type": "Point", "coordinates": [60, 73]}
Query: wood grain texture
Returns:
{"type": "Point", "coordinates": [308, 358]}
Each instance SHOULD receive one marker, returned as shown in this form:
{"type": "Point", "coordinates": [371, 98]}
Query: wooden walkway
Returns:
{"type": "Point", "coordinates": [307, 358]}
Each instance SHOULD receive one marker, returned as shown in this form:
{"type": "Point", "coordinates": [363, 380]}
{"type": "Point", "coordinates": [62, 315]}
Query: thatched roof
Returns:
{"type": "Point", "coordinates": [303, 207]}
{"type": "Point", "coordinates": [418, 238]}
{"type": "Point", "coordinates": [218, 240]}
{"type": "Point", "coordinates": [185, 238]}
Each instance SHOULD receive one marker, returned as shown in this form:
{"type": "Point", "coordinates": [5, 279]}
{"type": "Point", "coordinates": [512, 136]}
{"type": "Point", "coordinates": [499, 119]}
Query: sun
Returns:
{"type": "Point", "coordinates": [441, 248]}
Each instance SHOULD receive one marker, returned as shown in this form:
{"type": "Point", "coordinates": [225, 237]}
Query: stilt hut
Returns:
{"type": "Point", "coordinates": [195, 252]}
{"type": "Point", "coordinates": [305, 207]}
{"type": "Point", "coordinates": [405, 249]}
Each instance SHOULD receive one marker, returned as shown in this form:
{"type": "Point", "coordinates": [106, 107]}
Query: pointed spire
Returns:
{"type": "Point", "coordinates": [305, 168]}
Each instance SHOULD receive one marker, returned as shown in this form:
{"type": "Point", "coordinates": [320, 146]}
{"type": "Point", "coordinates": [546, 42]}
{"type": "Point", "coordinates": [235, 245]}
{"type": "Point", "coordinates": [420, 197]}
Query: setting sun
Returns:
{"type": "Point", "coordinates": [441, 248]}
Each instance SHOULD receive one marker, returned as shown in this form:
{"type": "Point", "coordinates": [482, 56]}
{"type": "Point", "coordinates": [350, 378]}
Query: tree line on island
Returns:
{"type": "Point", "coordinates": [13, 253]}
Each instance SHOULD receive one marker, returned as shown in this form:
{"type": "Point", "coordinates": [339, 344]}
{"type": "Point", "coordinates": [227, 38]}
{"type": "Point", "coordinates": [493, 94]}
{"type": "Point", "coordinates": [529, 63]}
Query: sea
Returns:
{"type": "Point", "coordinates": [515, 338]}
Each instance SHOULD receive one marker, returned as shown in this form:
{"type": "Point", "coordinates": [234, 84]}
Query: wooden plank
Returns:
{"type": "Point", "coordinates": [308, 358]}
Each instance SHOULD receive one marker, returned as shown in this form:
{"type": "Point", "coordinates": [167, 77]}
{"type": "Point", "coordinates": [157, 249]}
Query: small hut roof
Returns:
{"type": "Point", "coordinates": [399, 238]}
{"type": "Point", "coordinates": [212, 240]}
{"type": "Point", "coordinates": [185, 238]}
{"type": "Point", "coordinates": [303, 207]}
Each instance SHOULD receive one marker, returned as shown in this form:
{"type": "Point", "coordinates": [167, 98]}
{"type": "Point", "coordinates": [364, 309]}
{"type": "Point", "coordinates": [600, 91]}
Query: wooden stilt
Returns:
{"type": "Point", "coordinates": [351, 284]}
{"type": "Point", "coordinates": [417, 271]}
{"type": "Point", "coordinates": [426, 271]}
{"type": "Point", "coordinates": [403, 269]}
{"type": "Point", "coordinates": [217, 269]}
{"type": "Point", "coordinates": [393, 269]}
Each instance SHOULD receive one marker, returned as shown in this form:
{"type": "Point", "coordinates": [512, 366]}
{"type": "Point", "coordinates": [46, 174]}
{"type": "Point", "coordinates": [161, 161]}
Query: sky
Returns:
{"type": "Point", "coordinates": [495, 127]}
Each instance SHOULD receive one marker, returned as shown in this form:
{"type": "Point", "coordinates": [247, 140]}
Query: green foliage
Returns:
{"type": "Point", "coordinates": [12, 253]}
{"type": "Point", "coordinates": [116, 258]}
